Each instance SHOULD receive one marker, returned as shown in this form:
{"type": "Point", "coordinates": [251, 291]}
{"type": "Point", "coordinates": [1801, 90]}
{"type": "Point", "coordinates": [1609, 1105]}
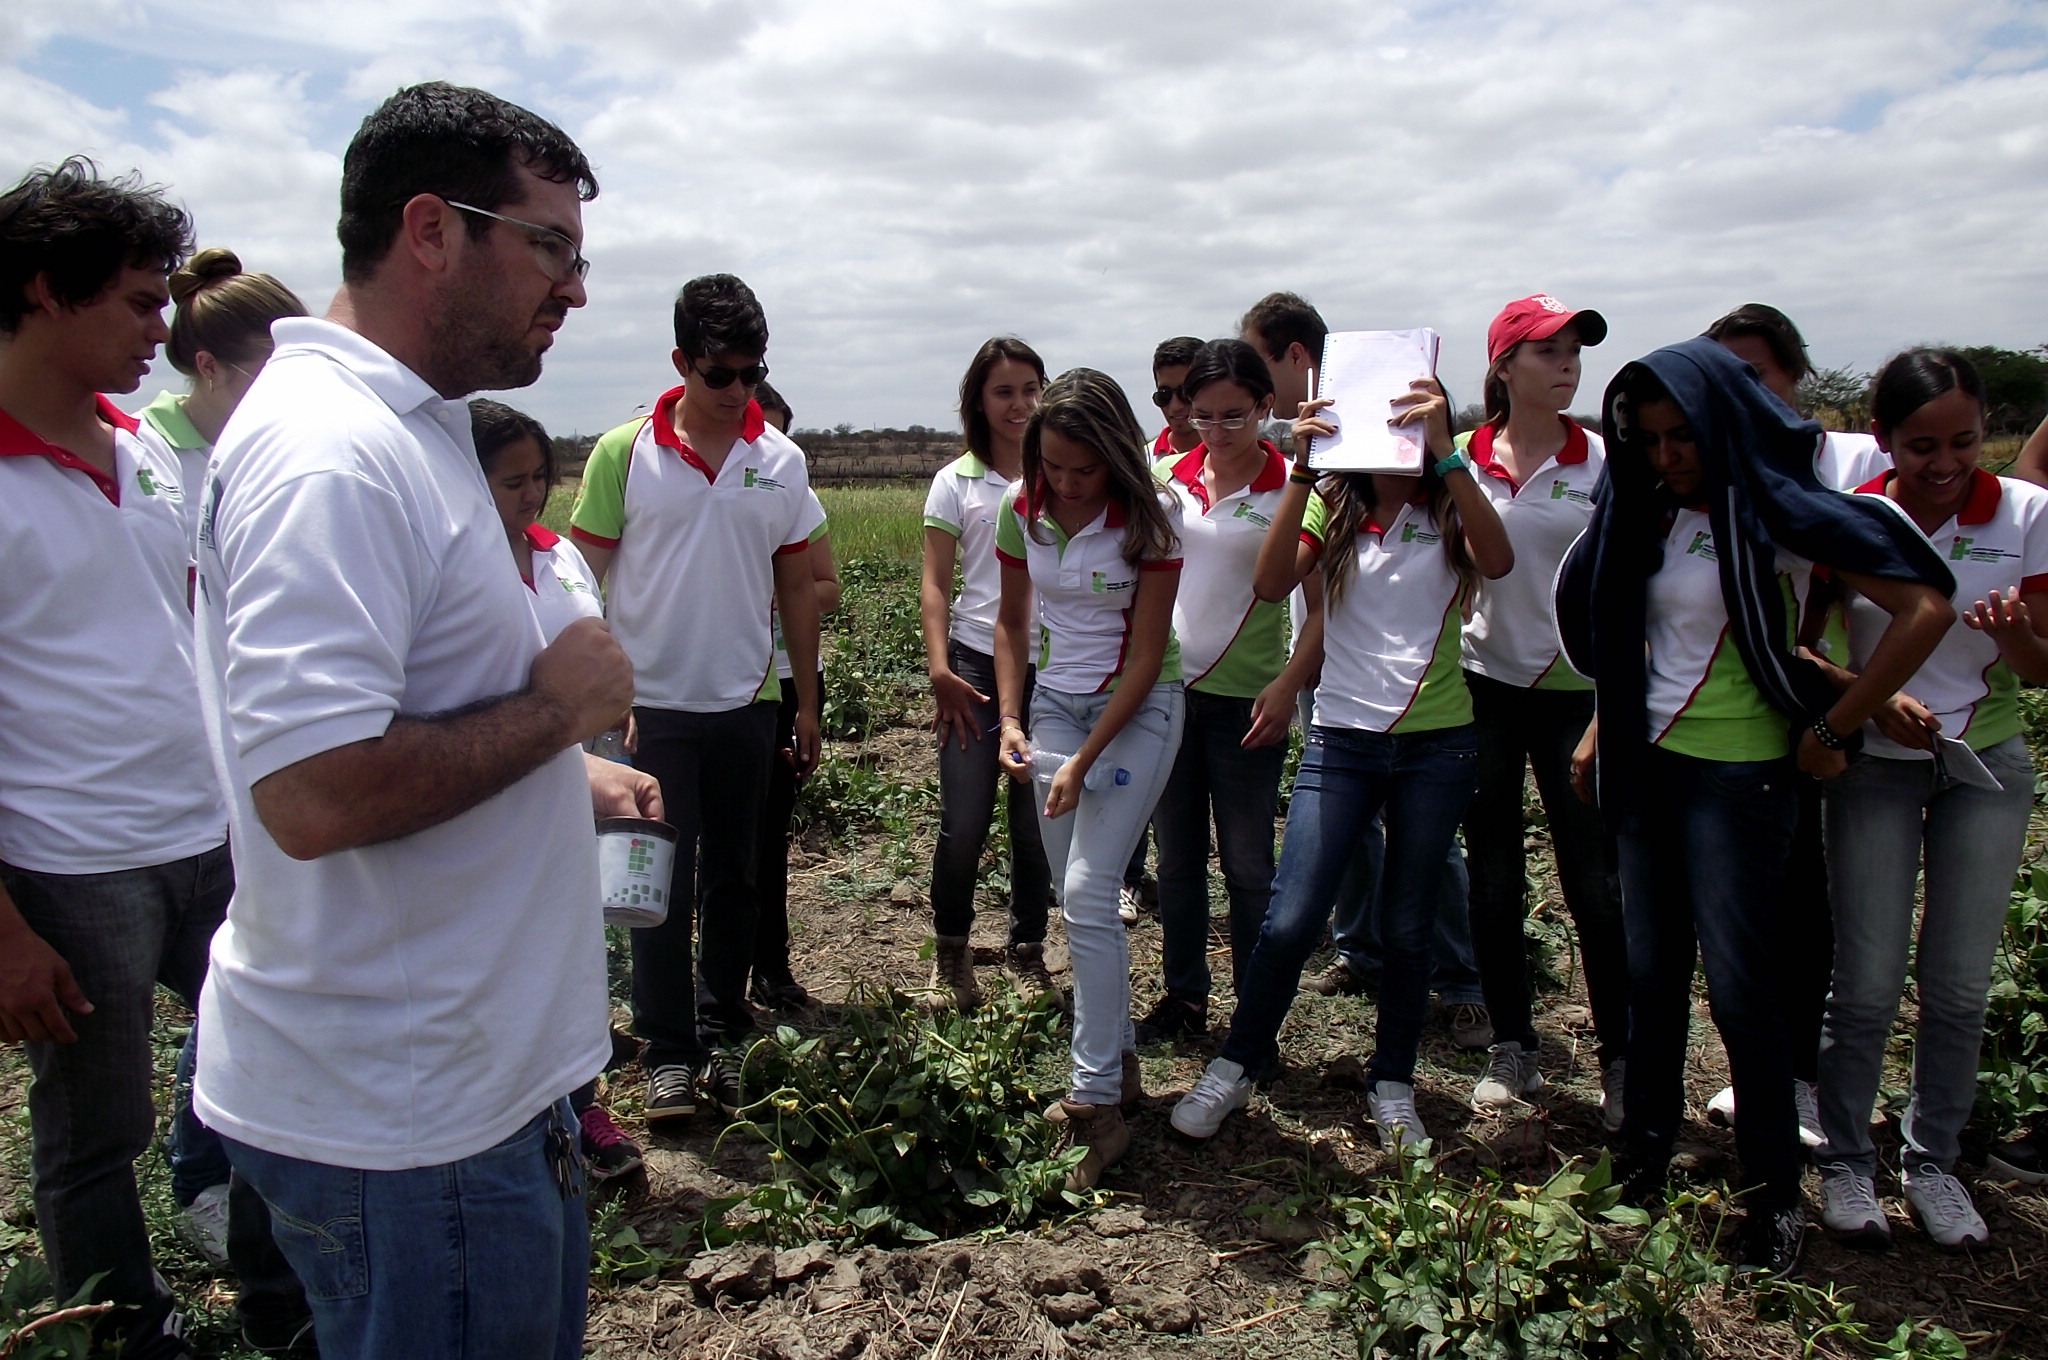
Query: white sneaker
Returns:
{"type": "Point", "coordinates": [1221, 1088]}
{"type": "Point", "coordinates": [204, 1223]}
{"type": "Point", "coordinates": [1392, 1106]}
{"type": "Point", "coordinates": [1943, 1207]}
{"type": "Point", "coordinates": [1849, 1208]}
{"type": "Point", "coordinates": [1510, 1075]}
{"type": "Point", "coordinates": [1806, 1096]}
{"type": "Point", "coordinates": [1127, 904]}
{"type": "Point", "coordinates": [1613, 1078]}
{"type": "Point", "coordinates": [1721, 1109]}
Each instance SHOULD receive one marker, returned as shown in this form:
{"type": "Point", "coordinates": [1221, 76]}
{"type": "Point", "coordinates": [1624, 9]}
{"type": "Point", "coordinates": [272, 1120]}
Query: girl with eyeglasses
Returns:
{"type": "Point", "coordinates": [220, 339]}
{"type": "Point", "coordinates": [1919, 792]}
{"type": "Point", "coordinates": [1682, 602]}
{"type": "Point", "coordinates": [1530, 708]}
{"type": "Point", "coordinates": [998, 393]}
{"type": "Point", "coordinates": [1400, 555]}
{"type": "Point", "coordinates": [1241, 683]}
{"type": "Point", "coordinates": [1090, 541]}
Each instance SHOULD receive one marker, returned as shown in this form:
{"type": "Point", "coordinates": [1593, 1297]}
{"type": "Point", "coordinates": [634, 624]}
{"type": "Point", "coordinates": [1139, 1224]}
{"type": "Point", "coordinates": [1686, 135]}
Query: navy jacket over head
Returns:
{"type": "Point", "coordinates": [1761, 493]}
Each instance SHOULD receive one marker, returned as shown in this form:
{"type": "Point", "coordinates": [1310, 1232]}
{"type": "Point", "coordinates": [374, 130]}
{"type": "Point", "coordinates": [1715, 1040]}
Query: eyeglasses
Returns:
{"type": "Point", "coordinates": [1231, 424]}
{"type": "Point", "coordinates": [1165, 397]}
{"type": "Point", "coordinates": [720, 376]}
{"type": "Point", "coordinates": [559, 258]}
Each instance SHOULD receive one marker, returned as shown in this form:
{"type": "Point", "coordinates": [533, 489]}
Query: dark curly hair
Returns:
{"type": "Point", "coordinates": [451, 141]}
{"type": "Point", "coordinates": [718, 314]}
{"type": "Point", "coordinates": [79, 230]}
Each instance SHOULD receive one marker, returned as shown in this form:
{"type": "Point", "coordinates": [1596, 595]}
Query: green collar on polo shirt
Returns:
{"type": "Point", "coordinates": [167, 415]}
{"type": "Point", "coordinates": [19, 441]}
{"type": "Point", "coordinates": [752, 423]}
{"type": "Point", "coordinates": [1113, 516]}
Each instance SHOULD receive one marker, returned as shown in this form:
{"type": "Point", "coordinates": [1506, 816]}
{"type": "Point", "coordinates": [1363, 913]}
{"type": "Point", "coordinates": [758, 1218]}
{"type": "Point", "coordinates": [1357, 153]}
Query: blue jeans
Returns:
{"type": "Point", "coordinates": [1422, 782]}
{"type": "Point", "coordinates": [968, 779]}
{"type": "Point", "coordinates": [1704, 879]}
{"type": "Point", "coordinates": [1086, 850]}
{"type": "Point", "coordinates": [90, 1114]}
{"type": "Point", "coordinates": [487, 1258]}
{"type": "Point", "coordinates": [1214, 774]}
{"type": "Point", "coordinates": [197, 1160]}
{"type": "Point", "coordinates": [1881, 814]}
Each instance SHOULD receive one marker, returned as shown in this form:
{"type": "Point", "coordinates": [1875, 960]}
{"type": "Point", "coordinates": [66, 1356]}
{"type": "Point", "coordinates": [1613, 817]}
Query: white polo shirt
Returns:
{"type": "Point", "coordinates": [102, 748]}
{"type": "Point", "coordinates": [771, 688]}
{"type": "Point", "coordinates": [1701, 699]}
{"type": "Point", "coordinates": [1998, 541]}
{"type": "Point", "coordinates": [165, 422]}
{"type": "Point", "coordinates": [693, 578]}
{"type": "Point", "coordinates": [413, 1002]}
{"type": "Point", "coordinates": [1512, 634]}
{"type": "Point", "coordinates": [1084, 588]}
{"type": "Point", "coordinates": [964, 500]}
{"type": "Point", "coordinates": [1391, 637]}
{"type": "Point", "coordinates": [1231, 642]}
{"type": "Point", "coordinates": [564, 587]}
{"type": "Point", "coordinates": [1846, 461]}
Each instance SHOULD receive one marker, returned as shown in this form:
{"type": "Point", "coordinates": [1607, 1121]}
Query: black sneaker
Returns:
{"type": "Point", "coordinates": [782, 993]}
{"type": "Point", "coordinates": [1642, 1184]}
{"type": "Point", "coordinates": [2019, 1160]}
{"type": "Point", "coordinates": [1173, 1016]}
{"type": "Point", "coordinates": [671, 1095]}
{"type": "Point", "coordinates": [1768, 1248]}
{"type": "Point", "coordinates": [718, 1080]}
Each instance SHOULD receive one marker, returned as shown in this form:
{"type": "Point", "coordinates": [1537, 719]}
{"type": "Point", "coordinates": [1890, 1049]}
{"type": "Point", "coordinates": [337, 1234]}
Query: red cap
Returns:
{"type": "Point", "coordinates": [1539, 318]}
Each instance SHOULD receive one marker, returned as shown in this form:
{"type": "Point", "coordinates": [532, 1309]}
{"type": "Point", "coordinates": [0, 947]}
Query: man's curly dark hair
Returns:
{"type": "Point", "coordinates": [79, 230]}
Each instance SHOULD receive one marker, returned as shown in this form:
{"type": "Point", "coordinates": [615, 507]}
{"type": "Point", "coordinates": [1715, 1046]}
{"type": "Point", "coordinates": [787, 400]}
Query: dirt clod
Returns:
{"type": "Point", "coordinates": [1068, 1309]}
{"type": "Point", "coordinates": [745, 1271]}
{"type": "Point", "coordinates": [1160, 1310]}
{"type": "Point", "coordinates": [802, 1263]}
{"type": "Point", "coordinates": [1060, 1271]}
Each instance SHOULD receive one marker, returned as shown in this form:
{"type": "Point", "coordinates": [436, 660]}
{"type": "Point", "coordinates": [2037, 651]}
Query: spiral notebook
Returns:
{"type": "Point", "coordinates": [1363, 372]}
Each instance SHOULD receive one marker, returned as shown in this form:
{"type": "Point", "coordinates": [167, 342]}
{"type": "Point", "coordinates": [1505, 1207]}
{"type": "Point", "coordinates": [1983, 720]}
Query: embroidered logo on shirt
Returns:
{"type": "Point", "coordinates": [756, 478]}
{"type": "Point", "coordinates": [1414, 533]}
{"type": "Point", "coordinates": [146, 482]}
{"type": "Point", "coordinates": [1965, 548]}
{"type": "Point", "coordinates": [1100, 583]}
{"type": "Point", "coordinates": [1703, 545]}
{"type": "Point", "coordinates": [1560, 492]}
{"type": "Point", "coordinates": [1244, 511]}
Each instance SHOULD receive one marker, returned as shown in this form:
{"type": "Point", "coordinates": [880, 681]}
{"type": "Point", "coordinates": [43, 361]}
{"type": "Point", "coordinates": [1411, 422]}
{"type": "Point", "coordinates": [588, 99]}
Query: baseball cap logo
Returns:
{"type": "Point", "coordinates": [1549, 303]}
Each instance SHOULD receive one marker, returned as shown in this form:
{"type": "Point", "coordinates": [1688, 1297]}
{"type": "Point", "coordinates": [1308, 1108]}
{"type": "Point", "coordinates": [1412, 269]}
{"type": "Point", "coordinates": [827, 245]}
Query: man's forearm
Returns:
{"type": "Point", "coordinates": [420, 773]}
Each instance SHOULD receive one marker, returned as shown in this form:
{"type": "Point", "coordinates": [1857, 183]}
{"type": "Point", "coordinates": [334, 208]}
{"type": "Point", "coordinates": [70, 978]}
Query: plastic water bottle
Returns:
{"type": "Point", "coordinates": [1101, 775]}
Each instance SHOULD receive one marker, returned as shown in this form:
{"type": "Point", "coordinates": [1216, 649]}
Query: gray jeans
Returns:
{"type": "Point", "coordinates": [1880, 815]}
{"type": "Point", "coordinates": [89, 1108]}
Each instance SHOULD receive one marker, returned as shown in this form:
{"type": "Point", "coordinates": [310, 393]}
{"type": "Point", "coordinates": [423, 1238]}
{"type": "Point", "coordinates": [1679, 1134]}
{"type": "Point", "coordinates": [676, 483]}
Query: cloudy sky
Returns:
{"type": "Point", "coordinates": [899, 181]}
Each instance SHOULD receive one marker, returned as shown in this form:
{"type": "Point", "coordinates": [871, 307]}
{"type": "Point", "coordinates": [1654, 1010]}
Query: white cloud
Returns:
{"type": "Point", "coordinates": [900, 181]}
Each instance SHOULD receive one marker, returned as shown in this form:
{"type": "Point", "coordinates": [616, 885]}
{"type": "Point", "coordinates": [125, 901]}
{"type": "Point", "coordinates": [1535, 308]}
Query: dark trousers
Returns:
{"type": "Point", "coordinates": [771, 844]}
{"type": "Point", "coordinates": [968, 780]}
{"type": "Point", "coordinates": [1521, 729]}
{"type": "Point", "coordinates": [90, 1113]}
{"type": "Point", "coordinates": [713, 771]}
{"type": "Point", "coordinates": [1808, 959]}
{"type": "Point", "coordinates": [1214, 775]}
{"type": "Point", "coordinates": [1702, 879]}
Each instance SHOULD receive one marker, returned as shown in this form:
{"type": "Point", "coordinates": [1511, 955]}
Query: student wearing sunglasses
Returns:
{"type": "Point", "coordinates": [696, 516]}
{"type": "Point", "coordinates": [1905, 800]}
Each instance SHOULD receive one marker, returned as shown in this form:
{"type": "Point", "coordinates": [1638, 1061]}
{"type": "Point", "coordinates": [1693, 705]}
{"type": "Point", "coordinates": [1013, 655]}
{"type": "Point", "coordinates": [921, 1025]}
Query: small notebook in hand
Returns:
{"type": "Point", "coordinates": [1363, 372]}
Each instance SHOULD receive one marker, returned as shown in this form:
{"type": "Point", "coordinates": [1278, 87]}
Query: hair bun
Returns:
{"type": "Point", "coordinates": [210, 265]}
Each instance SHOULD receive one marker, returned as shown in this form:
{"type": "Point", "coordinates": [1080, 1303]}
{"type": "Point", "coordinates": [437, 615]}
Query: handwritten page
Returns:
{"type": "Point", "coordinates": [1364, 371]}
{"type": "Point", "coordinates": [1960, 765]}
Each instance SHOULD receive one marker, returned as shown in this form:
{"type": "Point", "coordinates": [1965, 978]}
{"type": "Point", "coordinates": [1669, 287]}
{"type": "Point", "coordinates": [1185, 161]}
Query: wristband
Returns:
{"type": "Point", "coordinates": [1451, 462]}
{"type": "Point", "coordinates": [1826, 735]}
{"type": "Point", "coordinates": [1011, 720]}
{"type": "Point", "coordinates": [1302, 477]}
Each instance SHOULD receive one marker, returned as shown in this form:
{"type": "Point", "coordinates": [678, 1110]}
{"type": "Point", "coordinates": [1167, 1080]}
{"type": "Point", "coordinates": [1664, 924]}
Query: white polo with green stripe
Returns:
{"type": "Point", "coordinates": [964, 500]}
{"type": "Point", "coordinates": [1084, 588]}
{"type": "Point", "coordinates": [1701, 699]}
{"type": "Point", "coordinates": [771, 688]}
{"type": "Point", "coordinates": [1231, 642]}
{"type": "Point", "coordinates": [164, 419]}
{"type": "Point", "coordinates": [1391, 635]}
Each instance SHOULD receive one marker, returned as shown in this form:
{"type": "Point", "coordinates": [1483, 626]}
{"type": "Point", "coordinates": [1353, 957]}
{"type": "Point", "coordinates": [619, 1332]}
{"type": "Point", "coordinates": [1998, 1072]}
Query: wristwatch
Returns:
{"type": "Point", "coordinates": [1451, 462]}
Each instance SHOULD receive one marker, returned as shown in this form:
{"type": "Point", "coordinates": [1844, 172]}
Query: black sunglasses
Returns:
{"type": "Point", "coordinates": [1164, 397]}
{"type": "Point", "coordinates": [720, 376]}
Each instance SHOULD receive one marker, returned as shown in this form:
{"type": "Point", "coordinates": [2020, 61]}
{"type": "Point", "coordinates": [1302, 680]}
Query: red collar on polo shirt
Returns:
{"type": "Point", "coordinates": [19, 441]}
{"type": "Point", "coordinates": [1113, 516]}
{"type": "Point", "coordinates": [1163, 445]}
{"type": "Point", "coordinates": [752, 422]}
{"type": "Point", "coordinates": [1372, 519]}
{"type": "Point", "coordinates": [1978, 509]}
{"type": "Point", "coordinates": [541, 538]}
{"type": "Point", "coordinates": [1188, 472]}
{"type": "Point", "coordinates": [1480, 446]}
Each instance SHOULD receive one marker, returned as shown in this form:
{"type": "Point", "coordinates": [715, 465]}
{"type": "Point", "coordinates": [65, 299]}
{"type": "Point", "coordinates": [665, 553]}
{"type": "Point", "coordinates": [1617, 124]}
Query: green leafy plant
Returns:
{"type": "Point", "coordinates": [875, 665]}
{"type": "Point", "coordinates": [34, 1326]}
{"type": "Point", "coordinates": [1825, 1319]}
{"type": "Point", "coordinates": [902, 1126]}
{"type": "Point", "coordinates": [2012, 1078]}
{"type": "Point", "coordinates": [1430, 1264]}
{"type": "Point", "coordinates": [618, 1252]}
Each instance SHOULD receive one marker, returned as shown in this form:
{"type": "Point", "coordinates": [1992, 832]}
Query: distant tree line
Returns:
{"type": "Point", "coordinates": [2015, 391]}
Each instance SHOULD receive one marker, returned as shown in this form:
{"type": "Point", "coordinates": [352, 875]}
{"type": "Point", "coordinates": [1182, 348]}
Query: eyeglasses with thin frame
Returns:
{"type": "Point", "coordinates": [1231, 424]}
{"type": "Point", "coordinates": [718, 375]}
{"type": "Point", "coordinates": [559, 258]}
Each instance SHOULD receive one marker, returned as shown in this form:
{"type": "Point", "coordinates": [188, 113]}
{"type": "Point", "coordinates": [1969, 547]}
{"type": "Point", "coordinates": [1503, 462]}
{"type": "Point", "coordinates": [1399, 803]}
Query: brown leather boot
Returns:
{"type": "Point", "coordinates": [1033, 979]}
{"type": "Point", "coordinates": [953, 971]}
{"type": "Point", "coordinates": [1100, 1129]}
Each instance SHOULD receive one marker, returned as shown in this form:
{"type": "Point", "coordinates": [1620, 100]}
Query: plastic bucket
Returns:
{"type": "Point", "coordinates": [635, 860]}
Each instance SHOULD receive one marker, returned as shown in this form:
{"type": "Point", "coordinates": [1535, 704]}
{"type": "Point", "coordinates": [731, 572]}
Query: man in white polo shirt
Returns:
{"type": "Point", "coordinates": [114, 866]}
{"type": "Point", "coordinates": [697, 517]}
{"type": "Point", "coordinates": [410, 981]}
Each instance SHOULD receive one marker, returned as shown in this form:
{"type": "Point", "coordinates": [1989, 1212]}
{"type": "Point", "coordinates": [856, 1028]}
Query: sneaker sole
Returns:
{"type": "Point", "coordinates": [1198, 1136]}
{"type": "Point", "coordinates": [670, 1114]}
{"type": "Point", "coordinates": [1968, 1244]}
{"type": "Point", "coordinates": [2007, 1171]}
{"type": "Point", "coordinates": [1869, 1237]}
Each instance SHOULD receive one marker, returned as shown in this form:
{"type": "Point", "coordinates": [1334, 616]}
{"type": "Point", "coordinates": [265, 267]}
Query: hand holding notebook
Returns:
{"type": "Point", "coordinates": [1363, 373]}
